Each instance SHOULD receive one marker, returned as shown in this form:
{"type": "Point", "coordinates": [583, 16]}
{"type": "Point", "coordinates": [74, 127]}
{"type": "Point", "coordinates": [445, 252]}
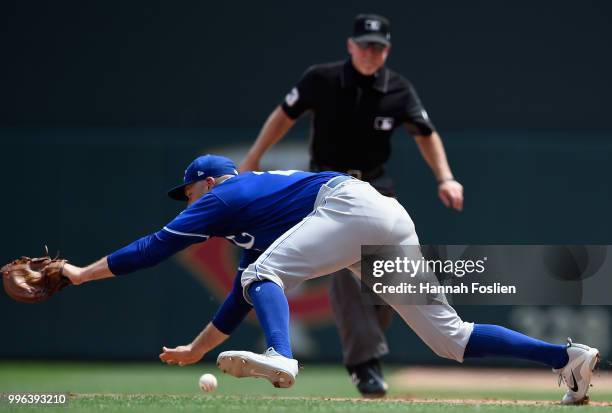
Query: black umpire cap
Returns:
{"type": "Point", "coordinates": [371, 28]}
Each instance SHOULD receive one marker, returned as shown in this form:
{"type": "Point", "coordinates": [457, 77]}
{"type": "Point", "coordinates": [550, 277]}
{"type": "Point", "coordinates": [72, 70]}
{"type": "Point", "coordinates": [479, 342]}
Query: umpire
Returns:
{"type": "Point", "coordinates": [356, 105]}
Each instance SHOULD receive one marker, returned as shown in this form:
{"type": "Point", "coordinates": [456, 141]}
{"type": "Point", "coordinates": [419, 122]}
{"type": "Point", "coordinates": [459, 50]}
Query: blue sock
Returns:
{"type": "Point", "coordinates": [491, 340]}
{"type": "Point", "coordinates": [272, 310]}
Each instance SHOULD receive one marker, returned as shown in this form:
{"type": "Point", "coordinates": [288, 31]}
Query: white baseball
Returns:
{"type": "Point", "coordinates": [208, 382]}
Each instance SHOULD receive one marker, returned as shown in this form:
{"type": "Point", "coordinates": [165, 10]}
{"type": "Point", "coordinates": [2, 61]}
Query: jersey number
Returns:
{"type": "Point", "coordinates": [244, 240]}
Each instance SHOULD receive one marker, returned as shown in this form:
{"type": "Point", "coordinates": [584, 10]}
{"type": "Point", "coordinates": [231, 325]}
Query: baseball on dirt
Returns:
{"type": "Point", "coordinates": [208, 382]}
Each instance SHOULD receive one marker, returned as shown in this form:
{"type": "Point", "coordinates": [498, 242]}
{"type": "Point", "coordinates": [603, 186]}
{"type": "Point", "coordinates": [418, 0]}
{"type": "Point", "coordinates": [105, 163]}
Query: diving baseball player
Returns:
{"type": "Point", "coordinates": [295, 226]}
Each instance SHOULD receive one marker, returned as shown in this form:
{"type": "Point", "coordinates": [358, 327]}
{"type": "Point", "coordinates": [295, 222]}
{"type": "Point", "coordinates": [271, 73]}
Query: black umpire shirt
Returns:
{"type": "Point", "coordinates": [354, 115]}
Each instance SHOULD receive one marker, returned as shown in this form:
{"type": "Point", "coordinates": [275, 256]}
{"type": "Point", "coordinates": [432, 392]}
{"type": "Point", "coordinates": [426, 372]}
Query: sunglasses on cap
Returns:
{"type": "Point", "coordinates": [377, 47]}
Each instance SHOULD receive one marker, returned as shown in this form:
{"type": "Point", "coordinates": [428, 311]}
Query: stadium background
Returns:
{"type": "Point", "coordinates": [103, 104]}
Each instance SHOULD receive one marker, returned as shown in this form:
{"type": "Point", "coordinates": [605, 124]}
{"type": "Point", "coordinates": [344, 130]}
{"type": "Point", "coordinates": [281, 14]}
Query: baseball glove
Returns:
{"type": "Point", "coordinates": [32, 280]}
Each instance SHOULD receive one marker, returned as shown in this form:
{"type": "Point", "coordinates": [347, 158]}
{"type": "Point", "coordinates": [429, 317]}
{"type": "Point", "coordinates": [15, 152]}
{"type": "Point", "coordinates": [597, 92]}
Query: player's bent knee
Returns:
{"type": "Point", "coordinates": [452, 345]}
{"type": "Point", "coordinates": [251, 275]}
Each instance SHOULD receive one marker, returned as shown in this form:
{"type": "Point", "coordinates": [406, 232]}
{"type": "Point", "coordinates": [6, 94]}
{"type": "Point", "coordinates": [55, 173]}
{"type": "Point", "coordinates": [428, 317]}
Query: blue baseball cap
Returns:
{"type": "Point", "coordinates": [201, 168]}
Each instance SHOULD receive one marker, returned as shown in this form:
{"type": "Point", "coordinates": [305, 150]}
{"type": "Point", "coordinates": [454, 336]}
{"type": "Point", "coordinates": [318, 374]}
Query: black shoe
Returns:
{"type": "Point", "coordinates": [368, 379]}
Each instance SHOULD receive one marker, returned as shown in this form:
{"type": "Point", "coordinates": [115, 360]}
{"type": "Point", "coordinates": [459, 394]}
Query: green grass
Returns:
{"type": "Point", "coordinates": [115, 387]}
{"type": "Point", "coordinates": [160, 378]}
{"type": "Point", "coordinates": [184, 403]}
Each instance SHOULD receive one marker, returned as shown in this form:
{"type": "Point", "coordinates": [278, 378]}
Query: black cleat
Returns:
{"type": "Point", "coordinates": [368, 379]}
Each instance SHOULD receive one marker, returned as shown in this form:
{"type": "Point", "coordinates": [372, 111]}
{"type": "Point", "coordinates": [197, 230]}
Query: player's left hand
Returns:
{"type": "Point", "coordinates": [451, 194]}
{"type": "Point", "coordinates": [32, 280]}
{"type": "Point", "coordinates": [181, 355]}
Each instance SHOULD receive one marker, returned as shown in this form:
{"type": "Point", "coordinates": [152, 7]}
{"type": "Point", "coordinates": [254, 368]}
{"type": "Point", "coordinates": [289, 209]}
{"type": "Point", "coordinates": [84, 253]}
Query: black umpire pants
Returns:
{"type": "Point", "coordinates": [361, 327]}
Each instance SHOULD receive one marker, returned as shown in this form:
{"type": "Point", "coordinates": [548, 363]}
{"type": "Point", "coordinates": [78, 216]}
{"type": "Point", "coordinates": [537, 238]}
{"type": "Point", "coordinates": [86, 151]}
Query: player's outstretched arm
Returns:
{"type": "Point", "coordinates": [449, 190]}
{"type": "Point", "coordinates": [96, 271]}
{"type": "Point", "coordinates": [193, 352]}
{"type": "Point", "coordinates": [276, 127]}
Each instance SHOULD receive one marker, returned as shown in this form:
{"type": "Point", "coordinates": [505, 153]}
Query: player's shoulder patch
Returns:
{"type": "Point", "coordinates": [292, 97]}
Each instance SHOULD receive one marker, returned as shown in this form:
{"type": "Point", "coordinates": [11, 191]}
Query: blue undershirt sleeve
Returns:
{"type": "Point", "coordinates": [148, 251]}
{"type": "Point", "coordinates": [234, 309]}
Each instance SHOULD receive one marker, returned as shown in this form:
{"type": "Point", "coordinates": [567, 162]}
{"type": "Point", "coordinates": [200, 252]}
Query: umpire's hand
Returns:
{"type": "Point", "coordinates": [451, 194]}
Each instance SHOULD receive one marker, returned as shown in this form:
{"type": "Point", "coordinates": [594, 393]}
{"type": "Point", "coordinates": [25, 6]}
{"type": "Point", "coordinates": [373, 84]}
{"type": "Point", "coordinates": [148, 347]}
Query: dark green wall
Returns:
{"type": "Point", "coordinates": [477, 64]}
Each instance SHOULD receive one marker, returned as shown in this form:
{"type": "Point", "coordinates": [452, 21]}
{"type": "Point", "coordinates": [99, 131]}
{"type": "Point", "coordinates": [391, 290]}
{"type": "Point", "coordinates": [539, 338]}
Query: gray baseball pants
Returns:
{"type": "Point", "coordinates": [346, 216]}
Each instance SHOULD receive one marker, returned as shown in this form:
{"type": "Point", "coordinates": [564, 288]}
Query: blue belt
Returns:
{"type": "Point", "coordinates": [337, 180]}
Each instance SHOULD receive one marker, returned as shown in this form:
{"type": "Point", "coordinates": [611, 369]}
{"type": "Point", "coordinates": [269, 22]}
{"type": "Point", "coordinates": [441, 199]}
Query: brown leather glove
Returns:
{"type": "Point", "coordinates": [32, 280]}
